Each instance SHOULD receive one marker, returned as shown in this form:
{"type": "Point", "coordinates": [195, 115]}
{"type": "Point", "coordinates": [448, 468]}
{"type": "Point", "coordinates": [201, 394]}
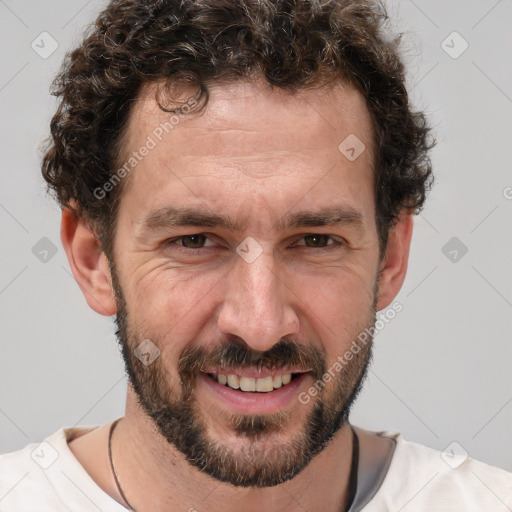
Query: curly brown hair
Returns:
{"type": "Point", "coordinates": [293, 44]}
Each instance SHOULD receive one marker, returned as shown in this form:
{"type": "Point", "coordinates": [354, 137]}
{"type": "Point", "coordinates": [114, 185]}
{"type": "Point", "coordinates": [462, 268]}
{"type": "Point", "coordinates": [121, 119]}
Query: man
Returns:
{"type": "Point", "coordinates": [237, 182]}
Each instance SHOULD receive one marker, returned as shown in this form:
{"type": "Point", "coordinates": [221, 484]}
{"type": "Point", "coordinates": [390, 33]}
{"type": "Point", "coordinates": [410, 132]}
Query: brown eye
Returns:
{"type": "Point", "coordinates": [190, 244]}
{"type": "Point", "coordinates": [192, 241]}
{"type": "Point", "coordinates": [317, 240]}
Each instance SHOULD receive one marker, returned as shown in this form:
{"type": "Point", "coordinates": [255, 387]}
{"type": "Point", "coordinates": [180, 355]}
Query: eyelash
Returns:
{"type": "Point", "coordinates": [336, 243]}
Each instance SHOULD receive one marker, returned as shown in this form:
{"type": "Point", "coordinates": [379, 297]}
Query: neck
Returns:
{"type": "Point", "coordinates": [138, 448]}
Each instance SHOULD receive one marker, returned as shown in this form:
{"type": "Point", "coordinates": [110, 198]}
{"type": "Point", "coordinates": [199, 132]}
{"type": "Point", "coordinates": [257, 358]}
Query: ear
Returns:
{"type": "Point", "coordinates": [393, 266]}
{"type": "Point", "coordinates": [88, 263]}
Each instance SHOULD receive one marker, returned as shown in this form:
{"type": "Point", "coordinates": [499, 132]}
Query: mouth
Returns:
{"type": "Point", "coordinates": [247, 383]}
{"type": "Point", "coordinates": [254, 391]}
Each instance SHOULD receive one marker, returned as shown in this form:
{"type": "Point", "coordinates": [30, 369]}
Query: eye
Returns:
{"type": "Point", "coordinates": [189, 241]}
{"type": "Point", "coordinates": [318, 240]}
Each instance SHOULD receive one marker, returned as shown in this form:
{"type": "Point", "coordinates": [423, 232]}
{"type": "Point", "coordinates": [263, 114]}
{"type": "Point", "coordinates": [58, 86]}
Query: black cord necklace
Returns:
{"type": "Point", "coordinates": [112, 464]}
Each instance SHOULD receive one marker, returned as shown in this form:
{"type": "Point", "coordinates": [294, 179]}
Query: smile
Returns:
{"type": "Point", "coordinates": [259, 385]}
{"type": "Point", "coordinates": [253, 391]}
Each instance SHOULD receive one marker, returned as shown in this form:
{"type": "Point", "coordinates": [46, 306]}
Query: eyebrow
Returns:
{"type": "Point", "coordinates": [174, 217]}
{"type": "Point", "coordinates": [184, 217]}
{"type": "Point", "coordinates": [323, 217]}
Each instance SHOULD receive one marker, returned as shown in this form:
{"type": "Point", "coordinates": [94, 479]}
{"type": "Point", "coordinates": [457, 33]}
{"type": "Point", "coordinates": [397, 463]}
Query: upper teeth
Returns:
{"type": "Point", "coordinates": [263, 385]}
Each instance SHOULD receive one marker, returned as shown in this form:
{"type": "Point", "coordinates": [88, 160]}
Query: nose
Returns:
{"type": "Point", "coordinates": [258, 304]}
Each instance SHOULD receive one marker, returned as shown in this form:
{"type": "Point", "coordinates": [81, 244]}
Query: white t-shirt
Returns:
{"type": "Point", "coordinates": [46, 477]}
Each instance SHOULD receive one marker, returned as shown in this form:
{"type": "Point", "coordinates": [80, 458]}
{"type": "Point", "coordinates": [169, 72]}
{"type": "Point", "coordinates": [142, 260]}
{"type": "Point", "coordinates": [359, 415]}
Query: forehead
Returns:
{"type": "Point", "coordinates": [252, 106]}
{"type": "Point", "coordinates": [251, 140]}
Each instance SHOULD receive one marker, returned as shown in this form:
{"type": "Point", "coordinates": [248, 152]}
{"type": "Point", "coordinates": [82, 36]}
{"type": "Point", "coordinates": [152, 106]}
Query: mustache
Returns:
{"type": "Point", "coordinates": [282, 355]}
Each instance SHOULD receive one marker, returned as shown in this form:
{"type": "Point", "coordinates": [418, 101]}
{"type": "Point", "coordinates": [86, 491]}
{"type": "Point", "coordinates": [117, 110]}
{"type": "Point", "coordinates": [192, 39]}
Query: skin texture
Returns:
{"type": "Point", "coordinates": [254, 154]}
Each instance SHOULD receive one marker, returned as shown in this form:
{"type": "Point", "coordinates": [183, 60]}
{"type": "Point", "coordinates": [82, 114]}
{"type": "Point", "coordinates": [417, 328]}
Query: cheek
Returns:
{"type": "Point", "coordinates": [172, 304]}
{"type": "Point", "coordinates": [338, 305]}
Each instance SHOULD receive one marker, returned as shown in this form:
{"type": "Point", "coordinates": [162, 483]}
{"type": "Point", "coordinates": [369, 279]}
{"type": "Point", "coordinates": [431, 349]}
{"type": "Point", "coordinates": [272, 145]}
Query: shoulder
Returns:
{"type": "Point", "coordinates": [420, 478]}
{"type": "Point", "coordinates": [26, 475]}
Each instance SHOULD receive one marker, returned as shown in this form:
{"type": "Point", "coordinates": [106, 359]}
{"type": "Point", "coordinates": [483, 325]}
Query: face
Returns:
{"type": "Point", "coordinates": [246, 251]}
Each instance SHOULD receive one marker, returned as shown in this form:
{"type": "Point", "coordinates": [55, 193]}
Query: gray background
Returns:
{"type": "Point", "coordinates": [442, 369]}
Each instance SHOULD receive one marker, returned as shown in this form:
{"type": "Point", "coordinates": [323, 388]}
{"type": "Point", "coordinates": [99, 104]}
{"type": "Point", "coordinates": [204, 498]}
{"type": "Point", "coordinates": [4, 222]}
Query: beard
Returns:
{"type": "Point", "coordinates": [261, 456]}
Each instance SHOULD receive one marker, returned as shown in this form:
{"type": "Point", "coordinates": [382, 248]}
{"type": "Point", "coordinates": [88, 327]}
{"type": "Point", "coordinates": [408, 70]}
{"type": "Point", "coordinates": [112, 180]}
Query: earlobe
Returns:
{"type": "Point", "coordinates": [88, 263]}
{"type": "Point", "coordinates": [393, 267]}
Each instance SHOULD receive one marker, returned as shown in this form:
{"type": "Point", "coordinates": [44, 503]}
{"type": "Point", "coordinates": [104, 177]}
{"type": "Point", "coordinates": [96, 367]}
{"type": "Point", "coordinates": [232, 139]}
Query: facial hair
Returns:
{"type": "Point", "coordinates": [175, 412]}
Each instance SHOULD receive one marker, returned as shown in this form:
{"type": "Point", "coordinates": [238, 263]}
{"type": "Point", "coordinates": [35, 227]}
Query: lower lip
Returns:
{"type": "Point", "coordinates": [254, 403]}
